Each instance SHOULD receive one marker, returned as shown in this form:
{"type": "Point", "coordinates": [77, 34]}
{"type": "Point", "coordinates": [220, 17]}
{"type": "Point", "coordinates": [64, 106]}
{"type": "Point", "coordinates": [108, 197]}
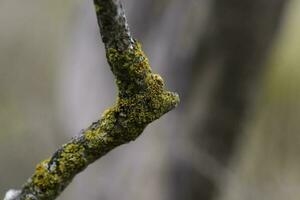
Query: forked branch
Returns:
{"type": "Point", "coordinates": [141, 100]}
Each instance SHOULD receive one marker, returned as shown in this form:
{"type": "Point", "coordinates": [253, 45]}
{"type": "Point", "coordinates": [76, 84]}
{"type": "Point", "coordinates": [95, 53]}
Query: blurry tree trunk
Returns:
{"type": "Point", "coordinates": [235, 47]}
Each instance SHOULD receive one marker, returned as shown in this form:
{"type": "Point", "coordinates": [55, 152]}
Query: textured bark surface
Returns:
{"type": "Point", "coordinates": [113, 25]}
{"type": "Point", "coordinates": [141, 99]}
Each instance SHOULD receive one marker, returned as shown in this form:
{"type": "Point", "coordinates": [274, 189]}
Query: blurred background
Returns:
{"type": "Point", "coordinates": [235, 64]}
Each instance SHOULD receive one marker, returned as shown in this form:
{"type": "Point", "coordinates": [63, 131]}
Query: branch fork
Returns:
{"type": "Point", "coordinates": [141, 100]}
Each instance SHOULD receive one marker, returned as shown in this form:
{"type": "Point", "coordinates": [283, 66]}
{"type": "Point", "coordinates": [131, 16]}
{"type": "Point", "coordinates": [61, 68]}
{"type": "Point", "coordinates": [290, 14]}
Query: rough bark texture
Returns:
{"type": "Point", "coordinates": [113, 26]}
{"type": "Point", "coordinates": [141, 99]}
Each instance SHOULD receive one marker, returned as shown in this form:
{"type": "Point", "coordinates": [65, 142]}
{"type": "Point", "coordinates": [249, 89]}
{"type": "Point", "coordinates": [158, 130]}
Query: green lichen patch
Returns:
{"type": "Point", "coordinates": [49, 178]}
{"type": "Point", "coordinates": [130, 67]}
{"type": "Point", "coordinates": [71, 160]}
{"type": "Point", "coordinates": [109, 119]}
{"type": "Point", "coordinates": [92, 135]}
{"type": "Point", "coordinates": [141, 100]}
{"type": "Point", "coordinates": [96, 140]}
{"type": "Point", "coordinates": [43, 180]}
{"type": "Point", "coordinates": [142, 97]}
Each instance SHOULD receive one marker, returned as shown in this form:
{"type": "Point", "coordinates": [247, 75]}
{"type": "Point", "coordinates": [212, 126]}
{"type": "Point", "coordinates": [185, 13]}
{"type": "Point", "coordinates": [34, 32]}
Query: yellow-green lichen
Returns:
{"type": "Point", "coordinates": [108, 119]}
{"type": "Point", "coordinates": [50, 175]}
{"type": "Point", "coordinates": [96, 138]}
{"type": "Point", "coordinates": [130, 68]}
{"type": "Point", "coordinates": [92, 135]}
{"type": "Point", "coordinates": [141, 99]}
{"type": "Point", "coordinates": [71, 159]}
{"type": "Point", "coordinates": [43, 179]}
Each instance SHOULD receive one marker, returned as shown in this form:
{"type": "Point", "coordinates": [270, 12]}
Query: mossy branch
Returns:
{"type": "Point", "coordinates": [141, 100]}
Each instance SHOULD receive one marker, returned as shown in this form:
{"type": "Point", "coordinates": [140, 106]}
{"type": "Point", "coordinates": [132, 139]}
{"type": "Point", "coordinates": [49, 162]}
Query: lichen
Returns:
{"type": "Point", "coordinates": [141, 97]}
{"type": "Point", "coordinates": [96, 139]}
{"type": "Point", "coordinates": [108, 119]}
{"type": "Point", "coordinates": [71, 159]}
{"type": "Point", "coordinates": [130, 67]}
{"type": "Point", "coordinates": [49, 178]}
{"type": "Point", "coordinates": [45, 181]}
{"type": "Point", "coordinates": [141, 100]}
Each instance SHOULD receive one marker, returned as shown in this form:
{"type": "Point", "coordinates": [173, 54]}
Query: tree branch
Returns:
{"type": "Point", "coordinates": [113, 24]}
{"type": "Point", "coordinates": [141, 100]}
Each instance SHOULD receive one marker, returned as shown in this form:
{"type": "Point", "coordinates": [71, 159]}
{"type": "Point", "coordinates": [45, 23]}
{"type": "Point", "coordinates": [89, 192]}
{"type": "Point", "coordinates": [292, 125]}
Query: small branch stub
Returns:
{"type": "Point", "coordinates": [141, 100]}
